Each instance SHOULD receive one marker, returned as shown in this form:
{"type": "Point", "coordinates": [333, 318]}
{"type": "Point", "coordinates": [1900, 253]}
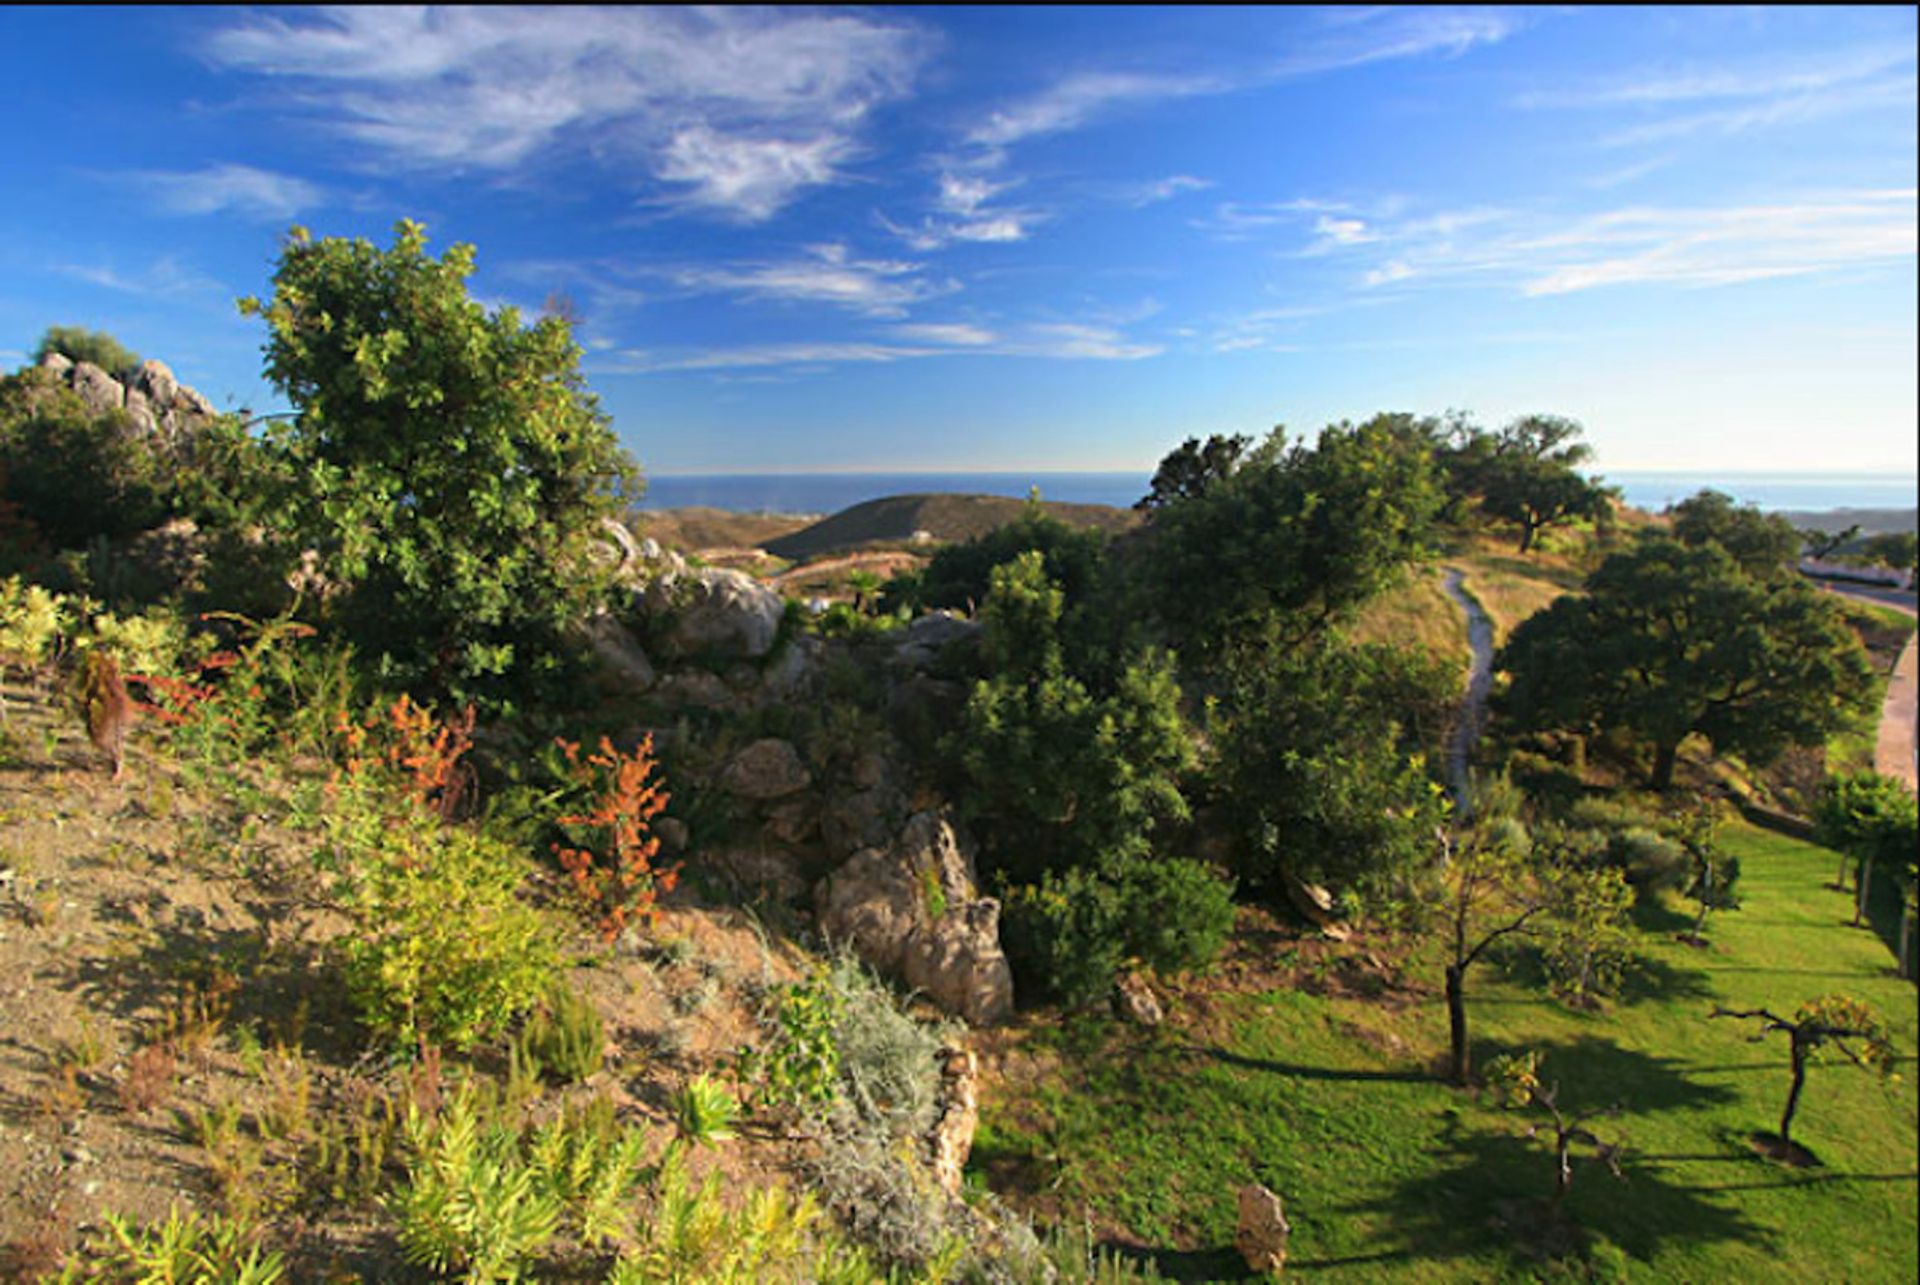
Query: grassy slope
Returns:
{"type": "Point", "coordinates": [947, 517]}
{"type": "Point", "coordinates": [1387, 1173]}
{"type": "Point", "coordinates": [1417, 614]}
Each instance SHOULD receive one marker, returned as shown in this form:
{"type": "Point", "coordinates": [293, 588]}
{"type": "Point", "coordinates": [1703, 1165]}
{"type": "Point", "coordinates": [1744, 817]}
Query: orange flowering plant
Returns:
{"type": "Point", "coordinates": [610, 852]}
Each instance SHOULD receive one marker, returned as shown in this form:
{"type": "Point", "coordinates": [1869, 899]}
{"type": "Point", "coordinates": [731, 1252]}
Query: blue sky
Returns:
{"type": "Point", "coordinates": [1029, 238]}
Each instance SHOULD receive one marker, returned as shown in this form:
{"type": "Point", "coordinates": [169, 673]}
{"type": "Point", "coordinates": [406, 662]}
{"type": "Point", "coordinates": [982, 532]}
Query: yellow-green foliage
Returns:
{"type": "Point", "coordinates": [563, 1036]}
{"type": "Point", "coordinates": [214, 1251]}
{"type": "Point", "coordinates": [485, 1199]}
{"type": "Point", "coordinates": [32, 619]}
{"type": "Point", "coordinates": [150, 643]}
{"type": "Point", "coordinates": [442, 949]}
{"type": "Point", "coordinates": [693, 1236]}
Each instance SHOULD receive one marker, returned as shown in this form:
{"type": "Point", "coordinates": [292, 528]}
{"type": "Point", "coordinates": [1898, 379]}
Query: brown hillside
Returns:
{"type": "Point", "coordinates": [692, 529]}
{"type": "Point", "coordinates": [895, 519]}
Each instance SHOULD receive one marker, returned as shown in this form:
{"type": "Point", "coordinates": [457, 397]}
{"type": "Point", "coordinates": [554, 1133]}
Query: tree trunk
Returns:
{"type": "Point", "coordinates": [1460, 1064]}
{"type": "Point", "coordinates": [1793, 1094]}
{"type": "Point", "coordinates": [1527, 529]}
{"type": "Point", "coordinates": [1663, 760]}
{"type": "Point", "coordinates": [1861, 893]}
{"type": "Point", "coordinates": [1563, 1181]}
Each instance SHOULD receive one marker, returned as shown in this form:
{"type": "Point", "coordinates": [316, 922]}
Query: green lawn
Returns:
{"type": "Point", "coordinates": [1387, 1174]}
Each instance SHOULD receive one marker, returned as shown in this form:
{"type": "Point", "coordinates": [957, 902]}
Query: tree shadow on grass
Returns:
{"type": "Point", "coordinates": [1596, 1073]}
{"type": "Point", "coordinates": [1488, 1195]}
{"type": "Point", "coordinates": [1648, 977]}
{"type": "Point", "coordinates": [1300, 1072]}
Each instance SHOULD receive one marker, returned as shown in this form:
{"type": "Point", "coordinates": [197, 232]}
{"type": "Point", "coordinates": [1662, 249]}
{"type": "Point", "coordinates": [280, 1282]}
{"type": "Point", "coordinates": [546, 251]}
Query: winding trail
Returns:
{"type": "Point", "coordinates": [1473, 712]}
{"type": "Point", "coordinates": [1893, 751]}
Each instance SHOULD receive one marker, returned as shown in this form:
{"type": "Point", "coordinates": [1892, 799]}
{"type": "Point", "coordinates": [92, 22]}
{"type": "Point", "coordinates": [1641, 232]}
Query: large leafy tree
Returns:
{"type": "Point", "coordinates": [1190, 469]}
{"type": "Point", "coordinates": [1322, 766]}
{"type": "Point", "coordinates": [1293, 540]}
{"type": "Point", "coordinates": [1764, 545]}
{"type": "Point", "coordinates": [451, 463]}
{"type": "Point", "coordinates": [1530, 476]}
{"type": "Point", "coordinates": [1065, 770]}
{"type": "Point", "coordinates": [1671, 640]}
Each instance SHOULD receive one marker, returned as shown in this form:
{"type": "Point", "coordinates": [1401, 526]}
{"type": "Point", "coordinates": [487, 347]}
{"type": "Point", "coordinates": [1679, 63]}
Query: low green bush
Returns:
{"type": "Point", "coordinates": [1064, 937]}
{"type": "Point", "coordinates": [1176, 913]}
{"type": "Point", "coordinates": [186, 1247]}
{"type": "Point", "coordinates": [563, 1036]}
{"type": "Point", "coordinates": [442, 948]}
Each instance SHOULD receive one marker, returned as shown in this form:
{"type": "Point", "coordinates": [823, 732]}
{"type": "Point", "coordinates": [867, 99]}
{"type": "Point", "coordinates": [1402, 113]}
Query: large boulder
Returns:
{"type": "Point", "coordinates": [1262, 1230]}
{"type": "Point", "coordinates": [931, 634]}
{"type": "Point", "coordinates": [155, 381]}
{"type": "Point", "coordinates": [100, 391]}
{"type": "Point", "coordinates": [913, 910]}
{"type": "Point", "coordinates": [767, 769]}
{"type": "Point", "coordinates": [715, 612]}
{"type": "Point", "coordinates": [619, 651]}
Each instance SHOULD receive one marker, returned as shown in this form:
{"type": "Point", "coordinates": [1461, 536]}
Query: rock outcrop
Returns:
{"type": "Point", "coordinates": [152, 398]}
{"type": "Point", "coordinates": [952, 1138]}
{"type": "Point", "coordinates": [767, 769]}
{"type": "Point", "coordinates": [714, 612]}
{"type": "Point", "coordinates": [913, 910]}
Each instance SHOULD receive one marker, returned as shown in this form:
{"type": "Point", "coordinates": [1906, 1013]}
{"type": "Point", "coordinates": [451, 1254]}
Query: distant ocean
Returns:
{"type": "Point", "coordinates": [830, 492]}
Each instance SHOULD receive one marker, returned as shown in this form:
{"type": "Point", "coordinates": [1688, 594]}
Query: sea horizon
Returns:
{"type": "Point", "coordinates": [830, 492]}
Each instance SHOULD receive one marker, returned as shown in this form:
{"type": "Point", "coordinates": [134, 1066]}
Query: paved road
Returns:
{"type": "Point", "coordinates": [1893, 754]}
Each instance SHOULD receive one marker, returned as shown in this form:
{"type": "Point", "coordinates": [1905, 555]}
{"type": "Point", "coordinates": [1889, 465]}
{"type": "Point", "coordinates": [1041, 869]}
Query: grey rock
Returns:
{"type": "Point", "coordinates": [761, 871]}
{"type": "Point", "coordinates": [57, 362]}
{"type": "Point", "coordinates": [191, 399]}
{"type": "Point", "coordinates": [794, 822]}
{"type": "Point", "coordinates": [790, 672]}
{"type": "Point", "coordinates": [140, 412]}
{"type": "Point", "coordinates": [714, 611]}
{"type": "Point", "coordinates": [1262, 1230]}
{"type": "Point", "coordinates": [100, 391]}
{"type": "Point", "coordinates": [952, 1138]}
{"type": "Point", "coordinates": [912, 909]}
{"type": "Point", "coordinates": [1134, 1001]}
{"type": "Point", "coordinates": [696, 688]}
{"type": "Point", "coordinates": [769, 768]}
{"type": "Point", "coordinates": [619, 651]}
{"type": "Point", "coordinates": [156, 381]}
{"type": "Point", "coordinates": [615, 547]}
{"type": "Point", "coordinates": [863, 819]}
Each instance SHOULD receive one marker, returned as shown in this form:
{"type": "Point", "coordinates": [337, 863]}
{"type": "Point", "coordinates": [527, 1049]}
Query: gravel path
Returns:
{"type": "Point", "coordinates": [1893, 754]}
{"type": "Point", "coordinates": [1473, 713]}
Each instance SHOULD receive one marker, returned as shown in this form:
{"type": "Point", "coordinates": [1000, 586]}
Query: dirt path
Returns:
{"type": "Point", "coordinates": [1473, 714]}
{"type": "Point", "coordinates": [1893, 754]}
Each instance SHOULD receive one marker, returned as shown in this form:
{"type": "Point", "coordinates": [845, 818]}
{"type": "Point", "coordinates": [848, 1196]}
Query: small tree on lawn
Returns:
{"type": "Point", "coordinates": [1516, 1081]}
{"type": "Point", "coordinates": [1715, 872]}
{"type": "Point", "coordinates": [1832, 1021]}
{"type": "Point", "coordinates": [1489, 892]}
{"type": "Point", "coordinates": [1866, 817]}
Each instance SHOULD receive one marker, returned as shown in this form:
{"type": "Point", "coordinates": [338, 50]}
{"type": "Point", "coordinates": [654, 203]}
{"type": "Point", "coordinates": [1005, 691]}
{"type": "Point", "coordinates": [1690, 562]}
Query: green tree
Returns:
{"type": "Point", "coordinates": [1294, 540]}
{"type": "Point", "coordinates": [73, 475]}
{"type": "Point", "coordinates": [77, 343]}
{"type": "Point", "coordinates": [451, 462]}
{"type": "Point", "coordinates": [1531, 477]}
{"type": "Point", "coordinates": [1190, 469]}
{"type": "Point", "coordinates": [1325, 780]}
{"type": "Point", "coordinates": [959, 575]}
{"type": "Point", "coordinates": [1872, 819]}
{"type": "Point", "coordinates": [1764, 545]}
{"type": "Point", "coordinates": [1839, 1022]}
{"type": "Point", "coordinates": [1064, 771]}
{"type": "Point", "coordinates": [1671, 641]}
{"type": "Point", "coordinates": [1816, 543]}
{"type": "Point", "coordinates": [1893, 549]}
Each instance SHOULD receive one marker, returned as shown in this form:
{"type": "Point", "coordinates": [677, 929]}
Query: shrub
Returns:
{"type": "Point", "coordinates": [1064, 937]}
{"type": "Point", "coordinates": [610, 849]}
{"type": "Point", "coordinates": [72, 475]}
{"type": "Point", "coordinates": [186, 1247]}
{"type": "Point", "coordinates": [484, 1198]}
{"type": "Point", "coordinates": [564, 1035]}
{"type": "Point", "coordinates": [403, 385]}
{"type": "Point", "coordinates": [1649, 860]}
{"type": "Point", "coordinates": [889, 1073]}
{"type": "Point", "coordinates": [442, 950]}
{"type": "Point", "coordinates": [799, 1065]}
{"type": "Point", "coordinates": [77, 343]}
{"type": "Point", "coordinates": [705, 1112]}
{"type": "Point", "coordinates": [1176, 913]}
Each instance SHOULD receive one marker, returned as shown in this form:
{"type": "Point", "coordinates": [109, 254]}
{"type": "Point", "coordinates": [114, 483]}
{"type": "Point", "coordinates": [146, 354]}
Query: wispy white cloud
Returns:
{"type": "Point", "coordinates": [166, 277]}
{"type": "Point", "coordinates": [1677, 103]}
{"type": "Point", "coordinates": [1082, 97]}
{"type": "Point", "coordinates": [1061, 341]}
{"type": "Point", "coordinates": [963, 211]}
{"type": "Point", "coordinates": [1164, 189]}
{"type": "Point", "coordinates": [827, 273]}
{"type": "Point", "coordinates": [1537, 254]}
{"type": "Point", "coordinates": [953, 334]}
{"type": "Point", "coordinates": [1360, 37]}
{"type": "Point", "coordinates": [738, 110]}
{"type": "Point", "coordinates": [216, 189]}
